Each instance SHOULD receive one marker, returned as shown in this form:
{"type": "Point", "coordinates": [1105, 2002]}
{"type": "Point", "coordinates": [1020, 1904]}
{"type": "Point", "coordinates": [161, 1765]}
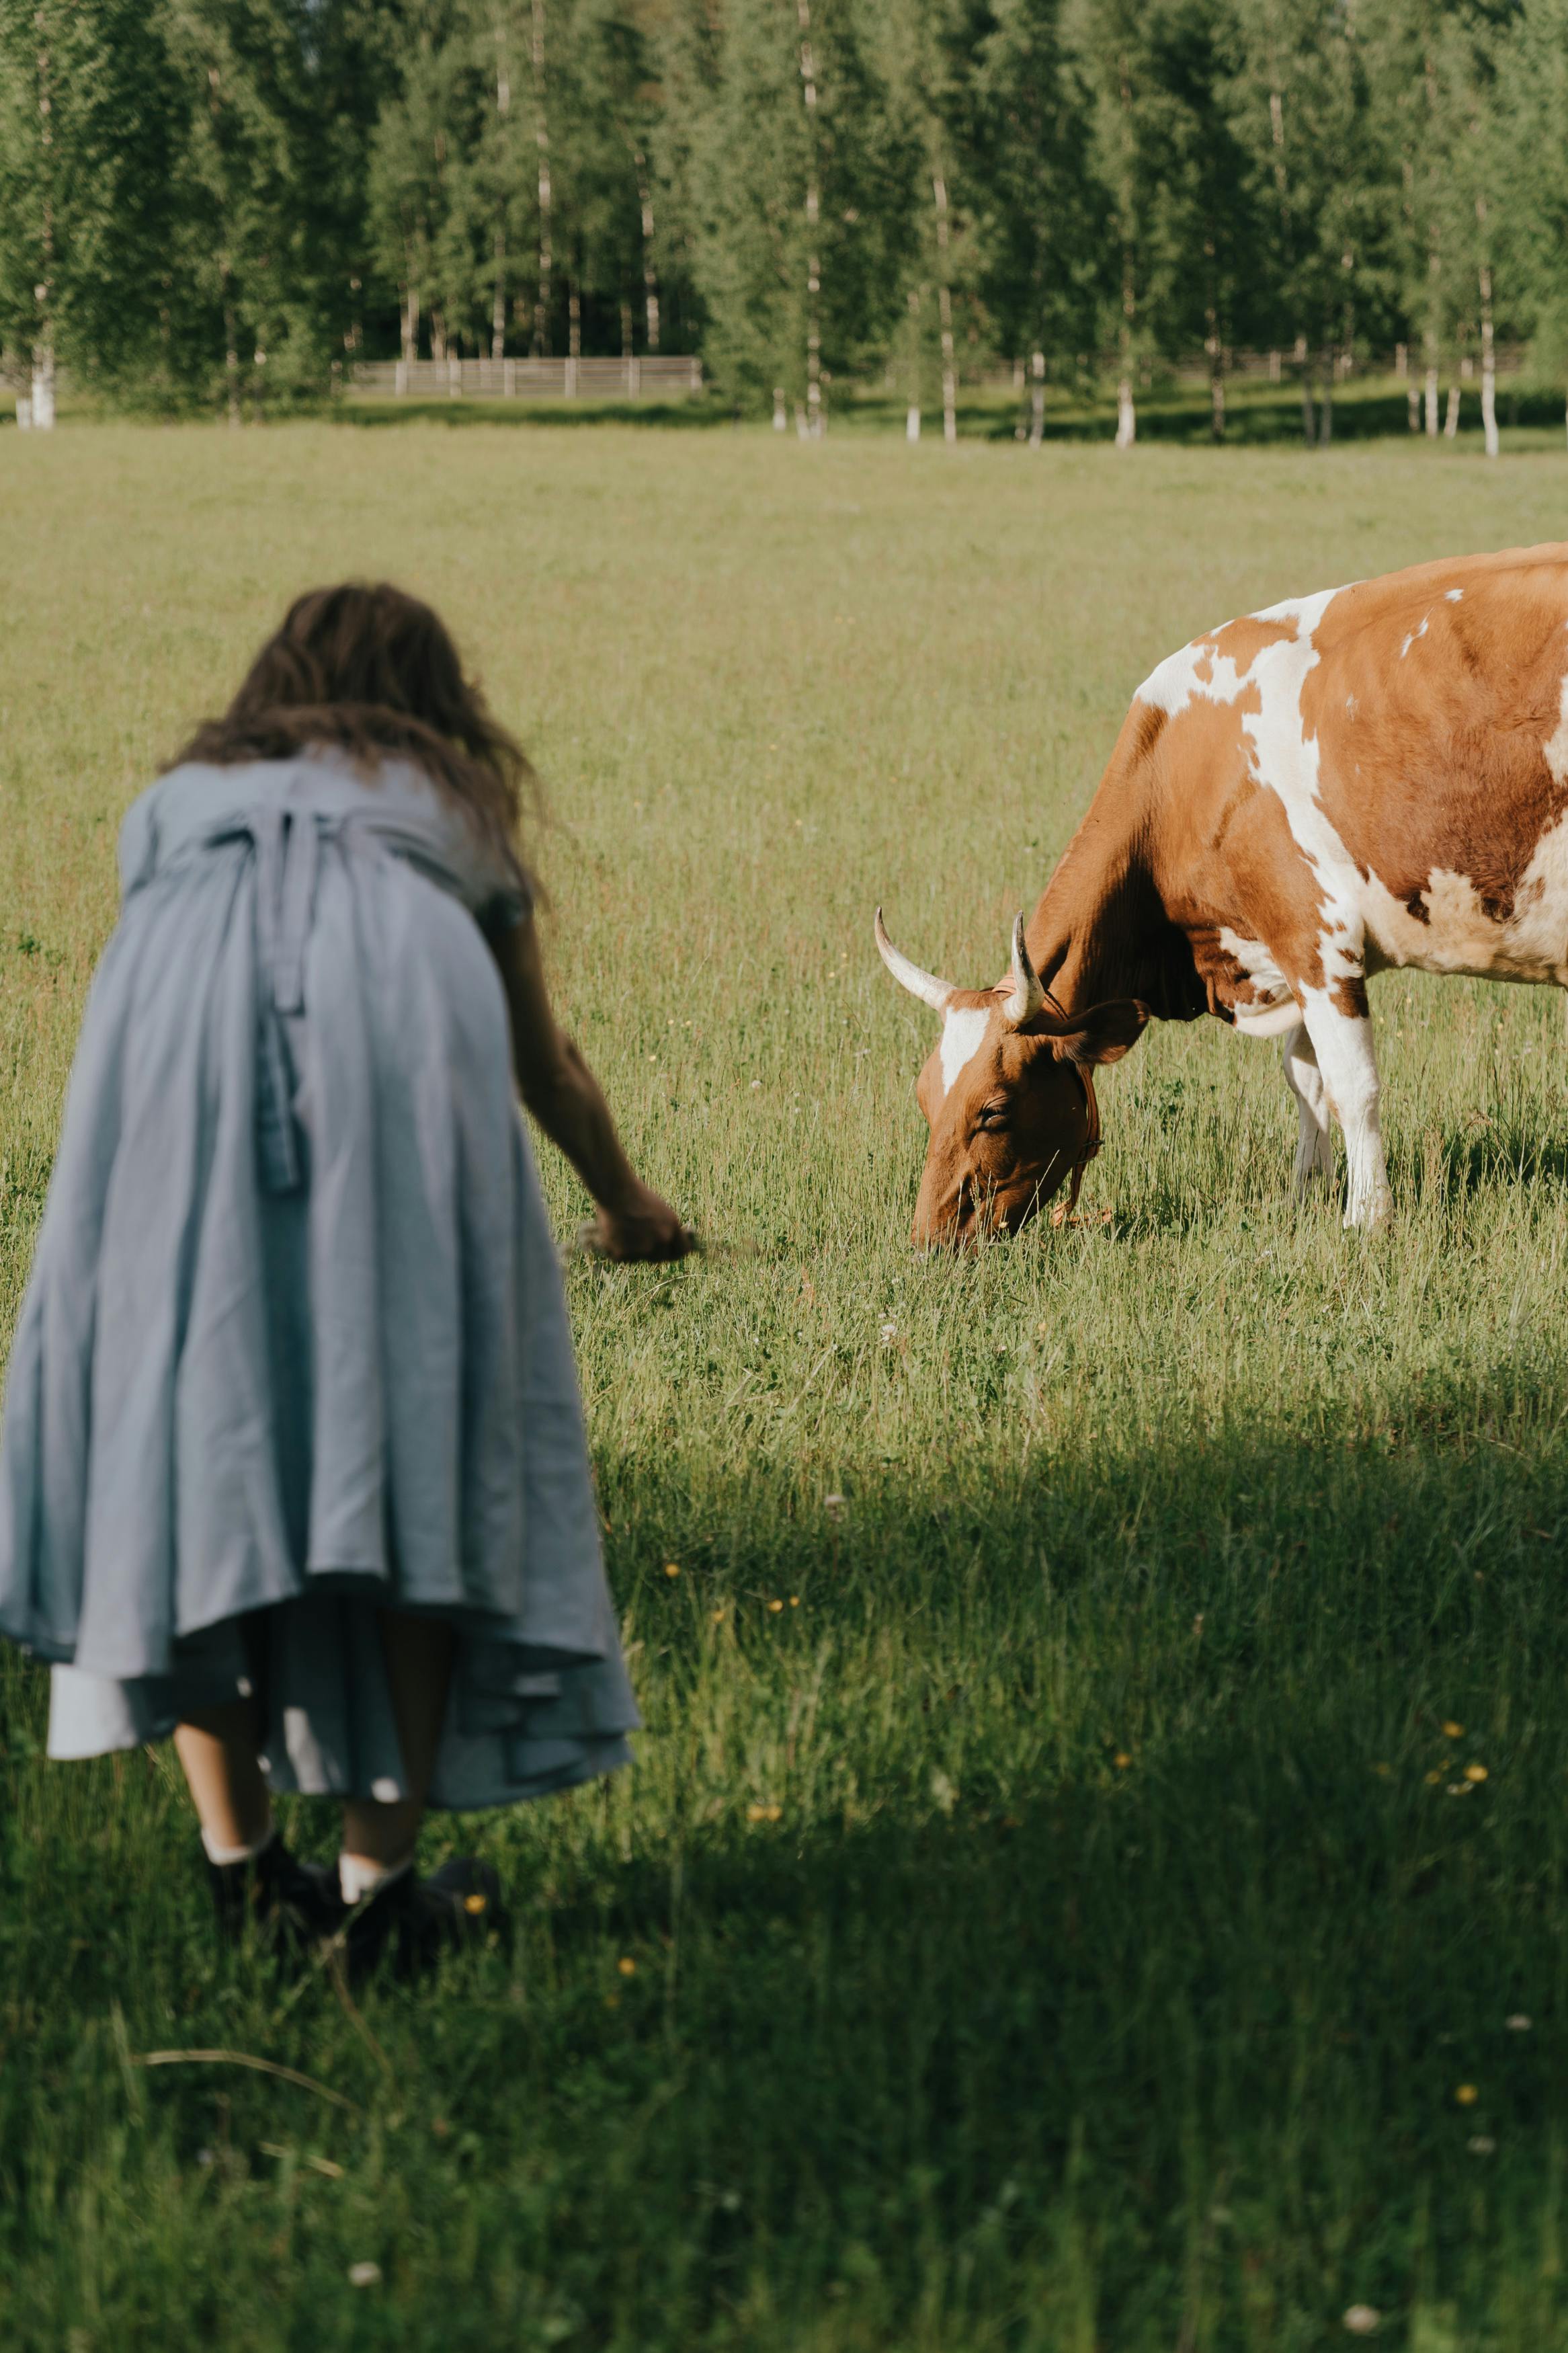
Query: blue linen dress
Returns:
{"type": "Point", "coordinates": [294, 1343]}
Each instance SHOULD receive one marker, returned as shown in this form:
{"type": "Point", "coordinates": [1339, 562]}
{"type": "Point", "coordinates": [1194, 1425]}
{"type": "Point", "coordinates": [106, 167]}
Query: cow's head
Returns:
{"type": "Point", "coordinates": [1006, 1094]}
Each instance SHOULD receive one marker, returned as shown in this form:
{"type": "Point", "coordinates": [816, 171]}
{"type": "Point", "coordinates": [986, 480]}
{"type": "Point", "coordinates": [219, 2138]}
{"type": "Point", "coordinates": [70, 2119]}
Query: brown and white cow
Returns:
{"type": "Point", "coordinates": [1371, 776]}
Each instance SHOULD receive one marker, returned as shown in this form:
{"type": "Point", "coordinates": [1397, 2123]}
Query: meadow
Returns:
{"type": "Point", "coordinates": [1095, 1879]}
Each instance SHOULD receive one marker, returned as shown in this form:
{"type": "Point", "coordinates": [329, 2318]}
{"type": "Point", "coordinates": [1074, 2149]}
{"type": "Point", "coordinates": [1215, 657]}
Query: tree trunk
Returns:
{"type": "Point", "coordinates": [411, 321]}
{"type": "Point", "coordinates": [813, 232]}
{"type": "Point", "coordinates": [1126, 415]}
{"type": "Point", "coordinates": [498, 307]}
{"type": "Point", "coordinates": [912, 413]}
{"type": "Point", "coordinates": [1430, 340]}
{"type": "Point", "coordinates": [1326, 405]}
{"type": "Point", "coordinates": [540, 343]}
{"type": "Point", "coordinates": [231, 353]}
{"type": "Point", "coordinates": [1309, 418]}
{"type": "Point", "coordinates": [43, 369]}
{"type": "Point", "coordinates": [781, 415]}
{"type": "Point", "coordinates": [1489, 350]}
{"type": "Point", "coordinates": [438, 337]}
{"type": "Point", "coordinates": [42, 412]}
{"type": "Point", "coordinates": [650, 276]}
{"type": "Point", "coordinates": [1451, 422]}
{"type": "Point", "coordinates": [1216, 350]}
{"type": "Point", "coordinates": [944, 312]}
{"type": "Point", "coordinates": [1412, 405]}
{"type": "Point", "coordinates": [1037, 399]}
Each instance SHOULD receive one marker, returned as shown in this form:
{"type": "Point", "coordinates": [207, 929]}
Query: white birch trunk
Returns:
{"type": "Point", "coordinates": [1412, 405]}
{"type": "Point", "coordinates": [1488, 350]}
{"type": "Point", "coordinates": [1308, 418]}
{"type": "Point", "coordinates": [42, 415]}
{"type": "Point", "coordinates": [541, 137]}
{"type": "Point", "coordinates": [1431, 394]}
{"type": "Point", "coordinates": [1126, 415]}
{"type": "Point", "coordinates": [411, 318]}
{"type": "Point", "coordinates": [1037, 399]}
{"type": "Point", "coordinates": [945, 313]}
{"type": "Point", "coordinates": [650, 276]}
{"type": "Point", "coordinates": [1451, 422]}
{"type": "Point", "coordinates": [781, 415]}
{"type": "Point", "coordinates": [912, 413]}
{"type": "Point", "coordinates": [815, 422]}
{"type": "Point", "coordinates": [498, 305]}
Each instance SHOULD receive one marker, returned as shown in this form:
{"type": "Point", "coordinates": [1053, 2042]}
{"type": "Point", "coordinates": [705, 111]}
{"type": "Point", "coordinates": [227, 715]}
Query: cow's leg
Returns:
{"type": "Point", "coordinates": [1314, 1145]}
{"type": "Point", "coordinates": [1343, 1045]}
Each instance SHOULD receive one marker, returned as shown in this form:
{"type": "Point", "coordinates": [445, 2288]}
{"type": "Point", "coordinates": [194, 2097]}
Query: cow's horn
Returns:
{"type": "Point", "coordinates": [1027, 994]}
{"type": "Point", "coordinates": [923, 985]}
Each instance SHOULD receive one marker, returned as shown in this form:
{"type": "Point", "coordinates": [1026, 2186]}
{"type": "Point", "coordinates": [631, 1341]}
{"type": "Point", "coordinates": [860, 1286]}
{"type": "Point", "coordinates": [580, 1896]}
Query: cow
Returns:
{"type": "Point", "coordinates": [1376, 776]}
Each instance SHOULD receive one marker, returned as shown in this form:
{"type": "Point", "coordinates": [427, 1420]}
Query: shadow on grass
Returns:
{"type": "Point", "coordinates": [1077, 1904]}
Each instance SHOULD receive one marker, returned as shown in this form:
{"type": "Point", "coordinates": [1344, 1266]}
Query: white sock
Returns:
{"type": "Point", "coordinates": [221, 1855]}
{"type": "Point", "coordinates": [359, 1877]}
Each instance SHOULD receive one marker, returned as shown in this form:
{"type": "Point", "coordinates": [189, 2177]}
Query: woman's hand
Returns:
{"type": "Point", "coordinates": [642, 1225]}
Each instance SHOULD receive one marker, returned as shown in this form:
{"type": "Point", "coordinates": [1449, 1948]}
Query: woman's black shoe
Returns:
{"type": "Point", "coordinates": [292, 1906]}
{"type": "Point", "coordinates": [414, 1921]}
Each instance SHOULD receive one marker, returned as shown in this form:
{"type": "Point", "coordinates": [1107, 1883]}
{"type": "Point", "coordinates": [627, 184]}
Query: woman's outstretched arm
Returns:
{"type": "Point", "coordinates": [560, 1090]}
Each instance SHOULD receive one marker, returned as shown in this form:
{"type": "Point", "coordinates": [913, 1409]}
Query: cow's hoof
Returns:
{"type": "Point", "coordinates": [1372, 1216]}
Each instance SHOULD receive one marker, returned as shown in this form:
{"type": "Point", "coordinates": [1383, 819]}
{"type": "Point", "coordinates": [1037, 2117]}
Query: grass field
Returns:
{"type": "Point", "coordinates": [1065, 1922]}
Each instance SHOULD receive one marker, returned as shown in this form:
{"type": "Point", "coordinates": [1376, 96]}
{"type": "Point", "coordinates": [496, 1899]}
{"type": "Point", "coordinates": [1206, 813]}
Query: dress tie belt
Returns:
{"type": "Point", "coordinates": [286, 841]}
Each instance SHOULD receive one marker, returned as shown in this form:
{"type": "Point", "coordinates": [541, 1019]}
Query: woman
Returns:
{"type": "Point", "coordinates": [293, 1463]}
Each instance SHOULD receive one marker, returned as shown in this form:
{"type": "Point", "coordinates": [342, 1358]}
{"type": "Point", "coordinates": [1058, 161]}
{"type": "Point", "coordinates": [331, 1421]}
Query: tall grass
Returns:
{"type": "Point", "coordinates": [1048, 1912]}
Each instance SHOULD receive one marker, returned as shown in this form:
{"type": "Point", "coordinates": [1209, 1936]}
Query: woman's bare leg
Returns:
{"type": "Point", "coordinates": [418, 1652]}
{"type": "Point", "coordinates": [216, 1748]}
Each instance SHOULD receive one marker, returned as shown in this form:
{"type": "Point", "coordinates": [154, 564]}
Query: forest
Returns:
{"type": "Point", "coordinates": [229, 205]}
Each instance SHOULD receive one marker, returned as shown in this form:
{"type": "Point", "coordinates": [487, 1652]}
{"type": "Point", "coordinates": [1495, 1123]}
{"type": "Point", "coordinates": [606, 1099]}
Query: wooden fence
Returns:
{"type": "Point", "coordinates": [643, 376]}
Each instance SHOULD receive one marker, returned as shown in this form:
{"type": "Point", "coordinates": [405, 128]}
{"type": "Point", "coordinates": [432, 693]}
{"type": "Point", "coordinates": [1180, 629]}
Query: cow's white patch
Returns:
{"type": "Point", "coordinates": [1410, 641]}
{"type": "Point", "coordinates": [1530, 943]}
{"type": "Point", "coordinates": [1452, 596]}
{"type": "Point", "coordinates": [1555, 748]}
{"type": "Point", "coordinates": [961, 1032]}
{"type": "Point", "coordinates": [1273, 1010]}
{"type": "Point", "coordinates": [1352, 705]}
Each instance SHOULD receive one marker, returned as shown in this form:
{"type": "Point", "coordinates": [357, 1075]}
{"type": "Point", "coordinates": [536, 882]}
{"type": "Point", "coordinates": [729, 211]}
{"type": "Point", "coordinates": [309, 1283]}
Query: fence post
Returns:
{"type": "Point", "coordinates": [508, 379]}
{"type": "Point", "coordinates": [454, 379]}
{"type": "Point", "coordinates": [569, 383]}
{"type": "Point", "coordinates": [633, 371]}
{"type": "Point", "coordinates": [400, 382]}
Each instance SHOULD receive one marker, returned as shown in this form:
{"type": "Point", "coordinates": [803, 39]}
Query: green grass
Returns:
{"type": "Point", "coordinates": [1107, 1973]}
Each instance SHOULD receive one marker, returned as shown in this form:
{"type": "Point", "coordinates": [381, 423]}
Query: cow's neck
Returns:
{"type": "Point", "coordinates": [1101, 930]}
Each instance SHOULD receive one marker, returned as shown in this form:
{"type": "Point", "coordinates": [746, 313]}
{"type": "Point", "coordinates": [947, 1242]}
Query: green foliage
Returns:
{"type": "Point", "coordinates": [300, 181]}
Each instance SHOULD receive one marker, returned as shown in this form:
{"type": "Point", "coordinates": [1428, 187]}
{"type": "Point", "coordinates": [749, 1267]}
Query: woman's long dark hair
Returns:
{"type": "Point", "coordinates": [370, 671]}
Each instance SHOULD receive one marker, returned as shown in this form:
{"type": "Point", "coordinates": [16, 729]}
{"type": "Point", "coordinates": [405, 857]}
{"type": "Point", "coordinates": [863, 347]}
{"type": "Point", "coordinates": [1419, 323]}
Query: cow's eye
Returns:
{"type": "Point", "coordinates": [992, 1116]}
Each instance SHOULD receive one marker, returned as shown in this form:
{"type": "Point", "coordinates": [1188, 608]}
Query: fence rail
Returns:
{"type": "Point", "coordinates": [662, 375]}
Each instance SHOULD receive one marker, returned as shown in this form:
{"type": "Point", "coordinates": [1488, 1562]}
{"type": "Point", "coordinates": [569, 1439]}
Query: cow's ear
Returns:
{"type": "Point", "coordinates": [1106, 1033]}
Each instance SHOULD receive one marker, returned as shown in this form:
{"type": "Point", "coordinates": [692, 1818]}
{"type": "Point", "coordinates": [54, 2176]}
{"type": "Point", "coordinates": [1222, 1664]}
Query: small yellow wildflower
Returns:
{"type": "Point", "coordinates": [672, 1569]}
{"type": "Point", "coordinates": [1467, 2095]}
{"type": "Point", "coordinates": [1122, 1760]}
{"type": "Point", "coordinates": [719, 1617]}
{"type": "Point", "coordinates": [795, 1601]}
{"type": "Point", "coordinates": [765, 1813]}
{"type": "Point", "coordinates": [627, 1965]}
{"type": "Point", "coordinates": [776, 1606]}
{"type": "Point", "coordinates": [1475, 1772]}
{"type": "Point", "coordinates": [1433, 1780]}
{"type": "Point", "coordinates": [476, 1903]}
{"type": "Point", "coordinates": [1452, 1732]}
